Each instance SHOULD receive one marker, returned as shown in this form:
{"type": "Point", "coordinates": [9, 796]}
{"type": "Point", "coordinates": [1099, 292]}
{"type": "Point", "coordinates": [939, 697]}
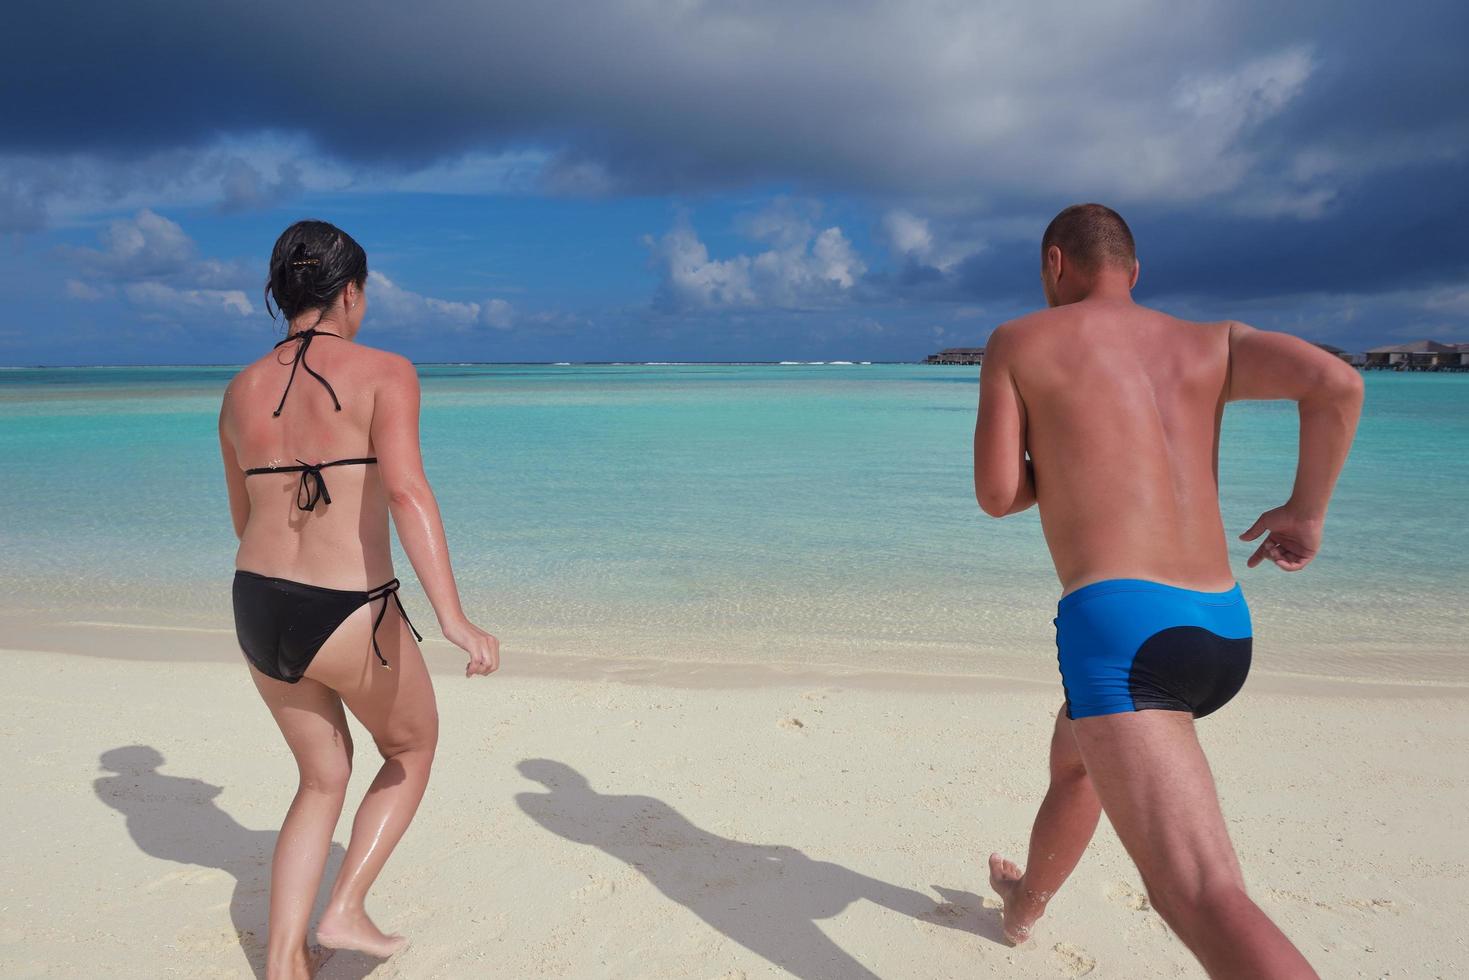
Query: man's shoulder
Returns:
{"type": "Point", "coordinates": [1018, 337]}
{"type": "Point", "coordinates": [1197, 326]}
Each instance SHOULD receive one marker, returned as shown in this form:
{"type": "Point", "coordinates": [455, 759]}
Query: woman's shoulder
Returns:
{"type": "Point", "coordinates": [383, 371]}
{"type": "Point", "coordinates": [385, 364]}
{"type": "Point", "coordinates": [243, 381]}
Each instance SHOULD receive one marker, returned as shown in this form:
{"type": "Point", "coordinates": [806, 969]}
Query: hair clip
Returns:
{"type": "Point", "coordinates": [298, 263]}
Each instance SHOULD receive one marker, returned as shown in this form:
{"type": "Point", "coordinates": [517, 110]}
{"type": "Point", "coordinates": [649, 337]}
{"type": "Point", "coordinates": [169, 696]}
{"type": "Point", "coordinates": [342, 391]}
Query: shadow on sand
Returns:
{"type": "Point", "coordinates": [766, 897]}
{"type": "Point", "coordinates": [176, 819]}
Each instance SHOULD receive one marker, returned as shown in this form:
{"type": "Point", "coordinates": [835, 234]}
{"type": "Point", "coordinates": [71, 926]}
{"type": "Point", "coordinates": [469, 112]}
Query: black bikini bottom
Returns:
{"type": "Point", "coordinates": [282, 624]}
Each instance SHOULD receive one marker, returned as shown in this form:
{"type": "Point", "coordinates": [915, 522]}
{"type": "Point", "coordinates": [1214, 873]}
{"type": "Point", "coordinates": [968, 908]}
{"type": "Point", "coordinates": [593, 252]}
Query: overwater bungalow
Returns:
{"type": "Point", "coordinates": [1456, 358]}
{"type": "Point", "coordinates": [1418, 355]}
{"type": "Point", "coordinates": [957, 355]}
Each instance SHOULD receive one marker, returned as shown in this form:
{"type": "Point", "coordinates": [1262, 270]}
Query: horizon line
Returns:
{"type": "Point", "coordinates": [834, 362]}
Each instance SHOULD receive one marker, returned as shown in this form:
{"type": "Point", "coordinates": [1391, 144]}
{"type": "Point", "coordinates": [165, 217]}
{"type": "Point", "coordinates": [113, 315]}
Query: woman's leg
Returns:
{"type": "Point", "coordinates": [310, 717]}
{"type": "Point", "coordinates": [397, 707]}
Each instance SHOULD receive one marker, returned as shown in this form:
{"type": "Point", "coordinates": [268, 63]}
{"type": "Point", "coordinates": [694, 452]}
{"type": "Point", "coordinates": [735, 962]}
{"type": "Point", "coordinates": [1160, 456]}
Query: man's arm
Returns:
{"type": "Point", "coordinates": [1266, 365]}
{"type": "Point", "coordinates": [1004, 481]}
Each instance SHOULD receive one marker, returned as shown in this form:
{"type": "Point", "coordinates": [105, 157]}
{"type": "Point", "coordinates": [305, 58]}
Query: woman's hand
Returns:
{"type": "Point", "coordinates": [482, 647]}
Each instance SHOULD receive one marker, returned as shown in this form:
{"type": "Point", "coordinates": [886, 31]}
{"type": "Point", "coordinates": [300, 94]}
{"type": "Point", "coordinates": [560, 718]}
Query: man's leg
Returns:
{"type": "Point", "coordinates": [1063, 827]}
{"type": "Point", "coordinates": [1155, 785]}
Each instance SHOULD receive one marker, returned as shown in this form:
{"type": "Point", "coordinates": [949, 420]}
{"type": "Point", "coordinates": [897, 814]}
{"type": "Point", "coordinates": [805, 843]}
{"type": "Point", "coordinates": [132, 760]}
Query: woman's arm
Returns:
{"type": "Point", "coordinates": [234, 477]}
{"type": "Point", "coordinates": [416, 512]}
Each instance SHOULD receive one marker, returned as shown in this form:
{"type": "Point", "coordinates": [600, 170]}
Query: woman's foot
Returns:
{"type": "Point", "coordinates": [302, 965]}
{"type": "Point", "coordinates": [1021, 908]}
{"type": "Point", "coordinates": [347, 929]}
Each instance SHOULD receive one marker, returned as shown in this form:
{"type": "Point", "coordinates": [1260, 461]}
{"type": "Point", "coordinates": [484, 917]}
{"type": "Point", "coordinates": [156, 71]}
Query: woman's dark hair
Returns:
{"type": "Point", "coordinates": [311, 264]}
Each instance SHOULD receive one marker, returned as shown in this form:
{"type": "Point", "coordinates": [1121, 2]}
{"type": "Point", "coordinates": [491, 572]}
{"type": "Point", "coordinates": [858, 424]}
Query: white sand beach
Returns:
{"type": "Point", "coordinates": [632, 822]}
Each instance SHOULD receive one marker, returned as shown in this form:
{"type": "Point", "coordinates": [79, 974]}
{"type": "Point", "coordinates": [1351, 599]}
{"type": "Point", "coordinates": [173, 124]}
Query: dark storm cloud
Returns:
{"type": "Point", "coordinates": [1260, 148]}
{"type": "Point", "coordinates": [1388, 233]}
{"type": "Point", "coordinates": [1136, 98]}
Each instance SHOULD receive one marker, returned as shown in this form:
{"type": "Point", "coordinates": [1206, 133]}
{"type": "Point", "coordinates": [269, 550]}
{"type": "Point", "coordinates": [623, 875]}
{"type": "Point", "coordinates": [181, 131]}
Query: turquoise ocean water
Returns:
{"type": "Point", "coordinates": [792, 513]}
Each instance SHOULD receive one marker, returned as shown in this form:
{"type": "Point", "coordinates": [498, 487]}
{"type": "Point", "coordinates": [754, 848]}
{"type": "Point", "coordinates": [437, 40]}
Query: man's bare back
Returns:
{"type": "Point", "coordinates": [1107, 415]}
{"type": "Point", "coordinates": [1122, 407]}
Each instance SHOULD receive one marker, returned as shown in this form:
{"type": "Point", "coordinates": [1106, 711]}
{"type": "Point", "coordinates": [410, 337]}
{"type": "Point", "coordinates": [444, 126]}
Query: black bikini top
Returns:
{"type": "Point", "coordinates": [313, 485]}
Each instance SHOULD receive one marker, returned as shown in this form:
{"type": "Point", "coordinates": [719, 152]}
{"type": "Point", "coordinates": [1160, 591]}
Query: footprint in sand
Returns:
{"type": "Point", "coordinates": [1360, 904]}
{"type": "Point", "coordinates": [1372, 904]}
{"type": "Point", "coordinates": [792, 724]}
{"type": "Point", "coordinates": [1281, 895]}
{"type": "Point", "coordinates": [943, 912]}
{"type": "Point", "coordinates": [598, 886]}
{"type": "Point", "coordinates": [183, 876]}
{"type": "Point", "coordinates": [1076, 962]}
{"type": "Point", "coordinates": [1124, 894]}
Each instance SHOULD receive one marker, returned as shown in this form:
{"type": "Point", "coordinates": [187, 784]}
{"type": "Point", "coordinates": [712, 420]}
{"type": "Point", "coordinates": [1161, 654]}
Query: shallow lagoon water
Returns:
{"type": "Point", "coordinates": [791, 513]}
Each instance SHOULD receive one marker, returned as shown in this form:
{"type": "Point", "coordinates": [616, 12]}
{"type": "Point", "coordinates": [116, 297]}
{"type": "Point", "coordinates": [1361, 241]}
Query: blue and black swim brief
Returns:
{"type": "Point", "coordinates": [1130, 644]}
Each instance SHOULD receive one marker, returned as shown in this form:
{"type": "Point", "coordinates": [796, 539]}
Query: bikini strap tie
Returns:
{"type": "Point", "coordinates": [312, 487]}
{"type": "Point", "coordinates": [299, 360]}
{"type": "Point", "coordinates": [385, 592]}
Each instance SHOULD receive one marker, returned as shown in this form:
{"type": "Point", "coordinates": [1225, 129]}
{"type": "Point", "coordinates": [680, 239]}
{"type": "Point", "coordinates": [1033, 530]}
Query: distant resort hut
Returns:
{"type": "Point", "coordinates": [1418, 355]}
{"type": "Point", "coordinates": [1456, 358]}
{"type": "Point", "coordinates": [957, 355]}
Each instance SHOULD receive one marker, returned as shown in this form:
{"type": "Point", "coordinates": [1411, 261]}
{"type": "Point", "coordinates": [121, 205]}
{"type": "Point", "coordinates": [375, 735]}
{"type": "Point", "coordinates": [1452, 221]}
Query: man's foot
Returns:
{"type": "Point", "coordinates": [1021, 908]}
{"type": "Point", "coordinates": [354, 930]}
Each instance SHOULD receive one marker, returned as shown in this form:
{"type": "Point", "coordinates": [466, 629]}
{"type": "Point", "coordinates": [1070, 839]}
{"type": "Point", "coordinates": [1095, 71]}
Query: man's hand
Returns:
{"type": "Point", "coordinates": [1293, 540]}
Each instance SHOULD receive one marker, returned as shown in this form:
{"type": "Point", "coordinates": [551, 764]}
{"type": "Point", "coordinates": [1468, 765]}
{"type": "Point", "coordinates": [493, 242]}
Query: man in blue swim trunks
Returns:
{"type": "Point", "coordinates": [1106, 414]}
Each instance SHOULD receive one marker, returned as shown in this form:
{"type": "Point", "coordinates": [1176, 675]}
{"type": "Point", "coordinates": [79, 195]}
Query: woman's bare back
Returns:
{"type": "Point", "coordinates": [343, 544]}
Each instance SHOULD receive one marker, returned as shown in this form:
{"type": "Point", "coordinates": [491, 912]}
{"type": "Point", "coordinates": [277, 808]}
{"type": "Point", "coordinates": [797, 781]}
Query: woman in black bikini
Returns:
{"type": "Point", "coordinates": [314, 468]}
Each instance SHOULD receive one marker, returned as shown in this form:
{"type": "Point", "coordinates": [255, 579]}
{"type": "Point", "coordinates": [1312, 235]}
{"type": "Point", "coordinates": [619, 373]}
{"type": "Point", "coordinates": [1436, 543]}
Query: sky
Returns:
{"type": "Point", "coordinates": [745, 180]}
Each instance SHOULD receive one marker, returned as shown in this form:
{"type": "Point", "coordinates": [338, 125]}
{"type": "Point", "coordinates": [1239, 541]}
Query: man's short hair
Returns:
{"type": "Point", "coordinates": [1091, 236]}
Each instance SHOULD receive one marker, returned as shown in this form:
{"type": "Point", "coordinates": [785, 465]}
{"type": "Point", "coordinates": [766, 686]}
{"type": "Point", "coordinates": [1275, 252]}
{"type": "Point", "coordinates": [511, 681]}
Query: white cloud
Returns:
{"type": "Point", "coordinates": [393, 305]}
{"type": "Point", "coordinates": [912, 238]}
{"type": "Point", "coordinates": [804, 268]}
{"type": "Point", "coordinates": [1254, 91]}
{"type": "Point", "coordinates": [908, 233]}
{"type": "Point", "coordinates": [691, 279]}
{"type": "Point", "coordinates": [1448, 299]}
{"type": "Point", "coordinates": [497, 313]}
{"type": "Point", "coordinates": [160, 296]}
{"type": "Point", "coordinates": [245, 186]}
{"type": "Point", "coordinates": [143, 246]}
{"type": "Point", "coordinates": [157, 267]}
{"type": "Point", "coordinates": [231, 173]}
